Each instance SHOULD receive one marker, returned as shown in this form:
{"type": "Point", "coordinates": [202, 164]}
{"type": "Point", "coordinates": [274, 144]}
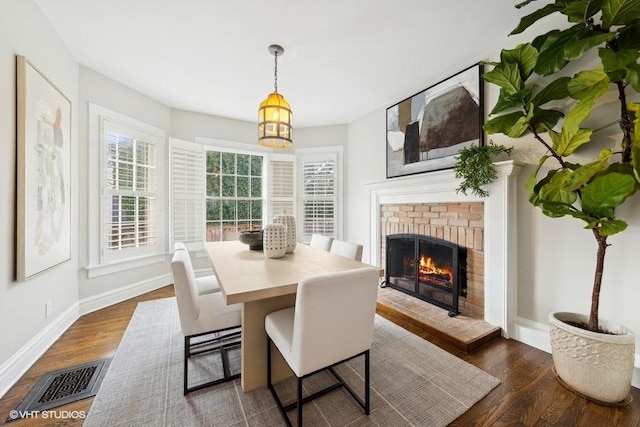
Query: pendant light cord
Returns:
{"type": "Point", "coordinates": [275, 73]}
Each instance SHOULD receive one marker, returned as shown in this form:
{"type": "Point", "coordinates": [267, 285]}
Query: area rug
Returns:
{"type": "Point", "coordinates": [60, 387]}
{"type": "Point", "coordinates": [413, 383]}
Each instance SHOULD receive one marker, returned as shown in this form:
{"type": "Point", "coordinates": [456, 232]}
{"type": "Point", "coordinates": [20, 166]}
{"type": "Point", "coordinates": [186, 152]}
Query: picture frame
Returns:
{"type": "Point", "coordinates": [43, 211]}
{"type": "Point", "coordinates": [426, 131]}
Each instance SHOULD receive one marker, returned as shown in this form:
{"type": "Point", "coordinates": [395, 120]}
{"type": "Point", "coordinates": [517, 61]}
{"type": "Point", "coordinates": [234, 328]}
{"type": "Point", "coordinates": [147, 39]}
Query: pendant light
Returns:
{"type": "Point", "coordinates": [274, 114]}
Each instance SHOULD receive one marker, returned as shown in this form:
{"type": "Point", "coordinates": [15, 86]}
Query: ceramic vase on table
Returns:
{"type": "Point", "coordinates": [289, 223]}
{"type": "Point", "coordinates": [274, 241]}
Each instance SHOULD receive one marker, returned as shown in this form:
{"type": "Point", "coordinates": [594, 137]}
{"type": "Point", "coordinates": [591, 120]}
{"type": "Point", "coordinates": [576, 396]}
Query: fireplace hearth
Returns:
{"type": "Point", "coordinates": [426, 267]}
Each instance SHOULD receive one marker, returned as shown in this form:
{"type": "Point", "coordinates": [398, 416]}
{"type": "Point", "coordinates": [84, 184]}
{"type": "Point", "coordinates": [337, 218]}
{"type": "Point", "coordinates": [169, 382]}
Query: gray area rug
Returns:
{"type": "Point", "coordinates": [413, 383]}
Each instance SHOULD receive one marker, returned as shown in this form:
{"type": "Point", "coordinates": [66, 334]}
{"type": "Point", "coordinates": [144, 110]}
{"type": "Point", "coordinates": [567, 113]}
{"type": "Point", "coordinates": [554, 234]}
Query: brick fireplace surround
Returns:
{"type": "Point", "coordinates": [459, 223]}
{"type": "Point", "coordinates": [430, 204]}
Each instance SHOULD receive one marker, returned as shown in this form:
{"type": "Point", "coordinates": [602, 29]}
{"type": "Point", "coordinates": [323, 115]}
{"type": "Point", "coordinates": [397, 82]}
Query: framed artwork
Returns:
{"type": "Point", "coordinates": [428, 129]}
{"type": "Point", "coordinates": [43, 165]}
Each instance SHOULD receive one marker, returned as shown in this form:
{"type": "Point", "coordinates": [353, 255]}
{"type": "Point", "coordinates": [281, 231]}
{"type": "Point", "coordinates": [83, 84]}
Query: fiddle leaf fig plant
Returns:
{"type": "Point", "coordinates": [537, 98]}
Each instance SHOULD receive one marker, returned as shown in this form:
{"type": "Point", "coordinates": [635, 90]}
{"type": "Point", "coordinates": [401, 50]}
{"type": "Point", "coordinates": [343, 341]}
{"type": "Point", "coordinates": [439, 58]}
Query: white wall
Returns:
{"type": "Point", "coordinates": [97, 89]}
{"type": "Point", "coordinates": [25, 331]}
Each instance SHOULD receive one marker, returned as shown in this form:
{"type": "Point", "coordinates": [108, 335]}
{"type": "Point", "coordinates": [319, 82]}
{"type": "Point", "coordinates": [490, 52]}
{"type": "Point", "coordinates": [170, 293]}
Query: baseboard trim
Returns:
{"type": "Point", "coordinates": [15, 367]}
{"type": "Point", "coordinates": [114, 296]}
{"type": "Point", "coordinates": [537, 335]}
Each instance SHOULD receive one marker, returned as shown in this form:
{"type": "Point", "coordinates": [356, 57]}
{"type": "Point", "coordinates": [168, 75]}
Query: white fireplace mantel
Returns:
{"type": "Point", "coordinates": [500, 229]}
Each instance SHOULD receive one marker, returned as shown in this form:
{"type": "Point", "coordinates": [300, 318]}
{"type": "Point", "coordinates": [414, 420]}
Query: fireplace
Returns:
{"type": "Point", "coordinates": [426, 267]}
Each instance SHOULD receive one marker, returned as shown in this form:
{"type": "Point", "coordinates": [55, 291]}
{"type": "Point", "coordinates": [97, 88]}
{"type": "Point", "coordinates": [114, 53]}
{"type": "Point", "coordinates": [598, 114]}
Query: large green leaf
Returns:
{"type": "Point", "coordinates": [577, 48]}
{"type": "Point", "coordinates": [629, 36]}
{"type": "Point", "coordinates": [524, 55]}
{"type": "Point", "coordinates": [576, 10]}
{"type": "Point", "coordinates": [633, 76]}
{"type": "Point", "coordinates": [584, 173]}
{"type": "Point", "coordinates": [545, 120]}
{"type": "Point", "coordinates": [555, 190]}
{"type": "Point", "coordinates": [606, 192]}
{"type": "Point", "coordinates": [557, 89]}
{"type": "Point", "coordinates": [517, 100]}
{"type": "Point", "coordinates": [566, 142]}
{"type": "Point", "coordinates": [612, 60]}
{"type": "Point", "coordinates": [586, 87]}
{"type": "Point", "coordinates": [528, 20]}
{"type": "Point", "coordinates": [559, 209]}
{"type": "Point", "coordinates": [505, 75]}
{"type": "Point", "coordinates": [513, 124]}
{"type": "Point", "coordinates": [551, 57]}
{"type": "Point", "coordinates": [619, 12]}
{"type": "Point", "coordinates": [609, 227]}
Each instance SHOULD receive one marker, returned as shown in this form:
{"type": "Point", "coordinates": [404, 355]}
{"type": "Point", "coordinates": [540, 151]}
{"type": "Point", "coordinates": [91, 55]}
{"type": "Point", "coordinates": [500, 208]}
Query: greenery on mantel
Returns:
{"type": "Point", "coordinates": [475, 166]}
{"type": "Point", "coordinates": [539, 99]}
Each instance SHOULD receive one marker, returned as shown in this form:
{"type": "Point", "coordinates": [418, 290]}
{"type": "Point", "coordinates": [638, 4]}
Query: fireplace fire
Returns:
{"type": "Point", "coordinates": [426, 267]}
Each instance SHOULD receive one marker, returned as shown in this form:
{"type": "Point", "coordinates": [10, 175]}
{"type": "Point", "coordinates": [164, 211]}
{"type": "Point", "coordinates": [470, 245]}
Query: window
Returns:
{"type": "Point", "coordinates": [126, 202]}
{"type": "Point", "coordinates": [319, 174]}
{"type": "Point", "coordinates": [233, 193]}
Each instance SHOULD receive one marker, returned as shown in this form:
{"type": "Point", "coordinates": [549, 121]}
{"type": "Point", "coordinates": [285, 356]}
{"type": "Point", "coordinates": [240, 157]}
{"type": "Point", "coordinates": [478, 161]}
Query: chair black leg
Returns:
{"type": "Point", "coordinates": [299, 402]}
{"type": "Point", "coordinates": [367, 391]}
{"type": "Point", "coordinates": [187, 349]}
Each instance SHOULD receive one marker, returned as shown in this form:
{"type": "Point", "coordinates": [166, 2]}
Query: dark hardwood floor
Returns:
{"type": "Point", "coordinates": [527, 396]}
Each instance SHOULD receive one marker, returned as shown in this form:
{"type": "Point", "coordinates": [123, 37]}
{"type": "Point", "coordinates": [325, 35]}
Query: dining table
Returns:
{"type": "Point", "coordinates": [263, 285]}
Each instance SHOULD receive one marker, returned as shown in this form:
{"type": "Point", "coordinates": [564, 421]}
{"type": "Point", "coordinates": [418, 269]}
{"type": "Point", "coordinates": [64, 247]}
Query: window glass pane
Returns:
{"type": "Point", "coordinates": [213, 185]}
{"type": "Point", "coordinates": [256, 209]}
{"type": "Point", "coordinates": [243, 164]}
{"type": "Point", "coordinates": [213, 162]}
{"type": "Point", "coordinates": [214, 231]}
{"type": "Point", "coordinates": [229, 163]}
{"type": "Point", "coordinates": [228, 210]}
{"type": "Point", "coordinates": [243, 209]}
{"type": "Point", "coordinates": [243, 186]}
{"type": "Point", "coordinates": [228, 186]}
{"type": "Point", "coordinates": [256, 165]}
{"type": "Point", "coordinates": [214, 210]}
{"type": "Point", "coordinates": [256, 187]}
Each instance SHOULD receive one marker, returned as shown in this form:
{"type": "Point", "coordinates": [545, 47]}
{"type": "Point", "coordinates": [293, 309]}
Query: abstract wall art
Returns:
{"type": "Point", "coordinates": [43, 211]}
{"type": "Point", "coordinates": [428, 129]}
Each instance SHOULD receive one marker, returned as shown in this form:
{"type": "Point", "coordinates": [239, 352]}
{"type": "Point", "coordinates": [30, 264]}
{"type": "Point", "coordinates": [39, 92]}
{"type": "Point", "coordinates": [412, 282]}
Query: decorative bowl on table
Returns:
{"type": "Point", "coordinates": [253, 239]}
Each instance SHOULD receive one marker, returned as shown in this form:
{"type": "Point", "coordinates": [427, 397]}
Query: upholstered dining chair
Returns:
{"type": "Point", "coordinates": [204, 315]}
{"type": "Point", "coordinates": [321, 242]}
{"type": "Point", "coordinates": [331, 323]}
{"type": "Point", "coordinates": [205, 284]}
{"type": "Point", "coordinates": [346, 249]}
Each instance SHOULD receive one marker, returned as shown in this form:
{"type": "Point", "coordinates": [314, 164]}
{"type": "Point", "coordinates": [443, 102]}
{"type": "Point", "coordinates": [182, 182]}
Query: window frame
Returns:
{"type": "Point", "coordinates": [101, 262]}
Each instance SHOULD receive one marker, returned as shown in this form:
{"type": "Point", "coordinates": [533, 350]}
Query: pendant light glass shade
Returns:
{"type": "Point", "coordinates": [274, 114]}
{"type": "Point", "coordinates": [274, 124]}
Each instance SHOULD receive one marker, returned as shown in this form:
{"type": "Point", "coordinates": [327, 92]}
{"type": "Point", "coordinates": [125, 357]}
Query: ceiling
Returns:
{"type": "Point", "coordinates": [342, 59]}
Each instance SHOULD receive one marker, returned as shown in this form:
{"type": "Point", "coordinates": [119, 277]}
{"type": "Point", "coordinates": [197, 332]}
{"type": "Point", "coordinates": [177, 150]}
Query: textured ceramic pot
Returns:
{"type": "Point", "coordinates": [596, 365]}
{"type": "Point", "coordinates": [289, 223]}
{"type": "Point", "coordinates": [274, 241]}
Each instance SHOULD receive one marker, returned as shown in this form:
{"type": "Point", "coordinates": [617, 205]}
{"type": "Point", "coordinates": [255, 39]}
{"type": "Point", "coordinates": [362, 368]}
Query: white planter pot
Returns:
{"type": "Point", "coordinates": [596, 365]}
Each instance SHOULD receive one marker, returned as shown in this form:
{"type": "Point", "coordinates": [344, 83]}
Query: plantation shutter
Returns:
{"type": "Point", "coordinates": [281, 198]}
{"type": "Point", "coordinates": [187, 183]}
{"type": "Point", "coordinates": [319, 197]}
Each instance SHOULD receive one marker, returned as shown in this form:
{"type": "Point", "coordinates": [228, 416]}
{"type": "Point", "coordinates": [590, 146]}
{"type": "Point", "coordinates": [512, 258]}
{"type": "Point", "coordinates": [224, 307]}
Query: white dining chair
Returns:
{"type": "Point", "coordinates": [206, 284]}
{"type": "Point", "coordinates": [321, 242]}
{"type": "Point", "coordinates": [331, 323]}
{"type": "Point", "coordinates": [204, 315]}
{"type": "Point", "coordinates": [346, 249]}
